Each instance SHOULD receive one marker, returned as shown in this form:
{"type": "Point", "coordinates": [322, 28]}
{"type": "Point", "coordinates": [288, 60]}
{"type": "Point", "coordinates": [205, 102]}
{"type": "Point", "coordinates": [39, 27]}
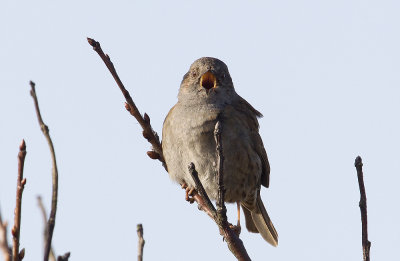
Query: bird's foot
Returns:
{"type": "Point", "coordinates": [188, 193]}
{"type": "Point", "coordinates": [236, 229]}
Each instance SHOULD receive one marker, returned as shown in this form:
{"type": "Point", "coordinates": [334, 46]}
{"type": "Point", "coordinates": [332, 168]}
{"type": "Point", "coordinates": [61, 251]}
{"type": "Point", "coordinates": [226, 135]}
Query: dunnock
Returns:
{"type": "Point", "coordinates": [206, 93]}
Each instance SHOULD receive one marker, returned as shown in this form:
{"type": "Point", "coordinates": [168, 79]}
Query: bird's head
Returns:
{"type": "Point", "coordinates": [207, 81]}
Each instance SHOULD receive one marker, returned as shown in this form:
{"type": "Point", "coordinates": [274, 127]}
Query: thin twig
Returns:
{"type": "Point", "coordinates": [52, 256]}
{"type": "Point", "coordinates": [144, 121]}
{"type": "Point", "coordinates": [235, 244]}
{"type": "Point", "coordinates": [52, 219]}
{"type": "Point", "coordinates": [21, 181]}
{"type": "Point", "coordinates": [221, 209]}
{"type": "Point", "coordinates": [366, 244]}
{"type": "Point", "coordinates": [5, 247]}
{"type": "Point", "coordinates": [139, 230]}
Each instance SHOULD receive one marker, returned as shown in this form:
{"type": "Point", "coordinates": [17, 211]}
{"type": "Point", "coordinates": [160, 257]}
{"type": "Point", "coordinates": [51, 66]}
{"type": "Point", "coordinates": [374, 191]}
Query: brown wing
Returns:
{"type": "Point", "coordinates": [252, 114]}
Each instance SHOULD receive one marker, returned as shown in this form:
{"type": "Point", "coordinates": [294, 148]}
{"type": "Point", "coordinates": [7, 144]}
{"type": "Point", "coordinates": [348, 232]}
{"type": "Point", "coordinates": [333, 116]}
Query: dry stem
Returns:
{"type": "Point", "coordinates": [52, 219]}
{"type": "Point", "coordinates": [139, 230]}
{"type": "Point", "coordinates": [366, 244]}
{"type": "Point", "coordinates": [130, 106]}
{"type": "Point", "coordinates": [21, 181]}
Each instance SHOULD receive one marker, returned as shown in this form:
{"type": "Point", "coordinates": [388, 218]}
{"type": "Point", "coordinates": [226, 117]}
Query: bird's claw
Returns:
{"type": "Point", "coordinates": [189, 193]}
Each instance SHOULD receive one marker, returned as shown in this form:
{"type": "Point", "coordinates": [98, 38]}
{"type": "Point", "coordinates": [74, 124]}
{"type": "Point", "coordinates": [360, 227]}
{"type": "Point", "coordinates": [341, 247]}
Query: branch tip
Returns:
{"type": "Point", "coordinates": [22, 147]}
{"type": "Point", "coordinates": [358, 162]}
{"type": "Point", "coordinates": [92, 42]}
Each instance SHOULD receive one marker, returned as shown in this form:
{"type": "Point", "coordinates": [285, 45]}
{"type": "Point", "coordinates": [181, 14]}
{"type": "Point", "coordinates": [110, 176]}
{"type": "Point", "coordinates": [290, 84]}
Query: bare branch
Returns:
{"type": "Point", "coordinates": [366, 244]}
{"type": "Point", "coordinates": [221, 209]}
{"type": "Point", "coordinates": [5, 247]}
{"type": "Point", "coordinates": [235, 244]}
{"type": "Point", "coordinates": [52, 256]}
{"type": "Point", "coordinates": [52, 219]}
{"type": "Point", "coordinates": [130, 106]}
{"type": "Point", "coordinates": [203, 201]}
{"type": "Point", "coordinates": [139, 230]}
{"type": "Point", "coordinates": [21, 181]}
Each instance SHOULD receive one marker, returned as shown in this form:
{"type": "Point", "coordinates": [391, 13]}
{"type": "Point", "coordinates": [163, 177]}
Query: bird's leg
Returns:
{"type": "Point", "coordinates": [189, 193]}
{"type": "Point", "coordinates": [237, 229]}
{"type": "Point", "coordinates": [238, 212]}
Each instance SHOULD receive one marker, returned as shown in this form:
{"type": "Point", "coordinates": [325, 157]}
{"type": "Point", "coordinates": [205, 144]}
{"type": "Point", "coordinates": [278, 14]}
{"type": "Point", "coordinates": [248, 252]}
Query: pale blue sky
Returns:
{"type": "Point", "coordinates": [325, 74]}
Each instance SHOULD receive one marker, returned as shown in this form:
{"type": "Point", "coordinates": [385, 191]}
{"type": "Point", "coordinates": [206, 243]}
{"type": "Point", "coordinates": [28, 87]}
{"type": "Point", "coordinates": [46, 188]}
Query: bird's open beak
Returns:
{"type": "Point", "coordinates": [208, 80]}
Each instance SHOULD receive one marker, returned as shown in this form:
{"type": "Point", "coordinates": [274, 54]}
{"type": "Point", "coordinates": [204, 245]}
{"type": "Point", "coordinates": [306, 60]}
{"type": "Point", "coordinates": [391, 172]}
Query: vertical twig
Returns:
{"type": "Point", "coordinates": [366, 244]}
{"type": "Point", "coordinates": [235, 244]}
{"type": "Point", "coordinates": [52, 219]}
{"type": "Point", "coordinates": [139, 230]}
{"type": "Point", "coordinates": [52, 256]}
{"type": "Point", "coordinates": [5, 247]}
{"type": "Point", "coordinates": [221, 209]}
{"type": "Point", "coordinates": [21, 181]}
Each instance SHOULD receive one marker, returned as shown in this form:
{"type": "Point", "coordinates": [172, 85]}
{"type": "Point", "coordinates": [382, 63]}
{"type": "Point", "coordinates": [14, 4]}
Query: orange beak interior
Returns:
{"type": "Point", "coordinates": [208, 80]}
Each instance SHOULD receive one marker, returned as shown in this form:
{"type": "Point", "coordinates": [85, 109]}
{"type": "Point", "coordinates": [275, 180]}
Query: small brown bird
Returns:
{"type": "Point", "coordinates": [207, 92]}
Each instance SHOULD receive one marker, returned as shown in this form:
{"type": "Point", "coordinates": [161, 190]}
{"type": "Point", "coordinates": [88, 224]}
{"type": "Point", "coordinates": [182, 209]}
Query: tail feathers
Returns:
{"type": "Point", "coordinates": [249, 221]}
{"type": "Point", "coordinates": [258, 221]}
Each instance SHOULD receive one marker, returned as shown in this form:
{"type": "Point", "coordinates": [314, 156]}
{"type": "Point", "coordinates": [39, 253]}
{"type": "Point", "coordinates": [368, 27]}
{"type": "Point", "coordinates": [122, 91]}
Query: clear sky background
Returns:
{"type": "Point", "coordinates": [325, 74]}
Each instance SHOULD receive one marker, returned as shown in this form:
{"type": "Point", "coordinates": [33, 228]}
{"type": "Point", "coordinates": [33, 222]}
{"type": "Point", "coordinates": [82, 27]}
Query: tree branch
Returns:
{"type": "Point", "coordinates": [366, 244]}
{"type": "Point", "coordinates": [52, 219]}
{"type": "Point", "coordinates": [5, 247]}
{"type": "Point", "coordinates": [201, 197]}
{"type": "Point", "coordinates": [144, 121]}
{"type": "Point", "coordinates": [235, 244]}
{"type": "Point", "coordinates": [139, 230]}
{"type": "Point", "coordinates": [21, 181]}
{"type": "Point", "coordinates": [52, 256]}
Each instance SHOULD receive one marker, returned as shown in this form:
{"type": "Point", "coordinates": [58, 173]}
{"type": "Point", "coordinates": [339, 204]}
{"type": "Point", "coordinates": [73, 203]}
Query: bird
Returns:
{"type": "Point", "coordinates": [207, 94]}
